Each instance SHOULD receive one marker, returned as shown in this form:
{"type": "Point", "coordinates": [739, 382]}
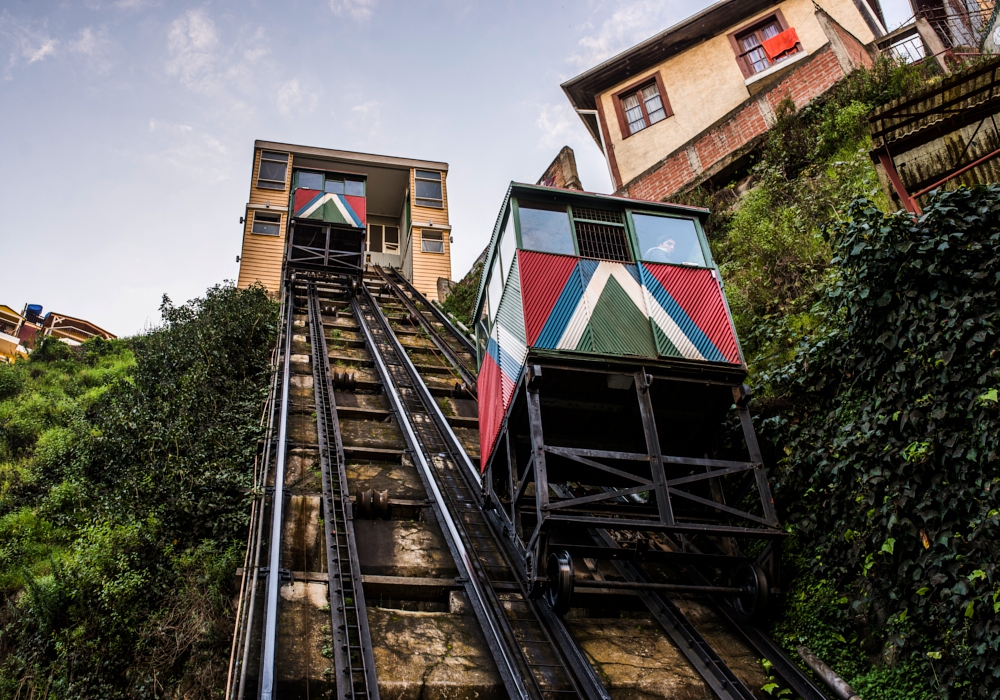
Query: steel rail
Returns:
{"type": "Point", "coordinates": [256, 533]}
{"type": "Point", "coordinates": [440, 315]}
{"type": "Point", "coordinates": [498, 646]}
{"type": "Point", "coordinates": [580, 672]}
{"type": "Point", "coordinates": [267, 675]}
{"type": "Point", "coordinates": [468, 376]}
{"type": "Point", "coordinates": [354, 662]}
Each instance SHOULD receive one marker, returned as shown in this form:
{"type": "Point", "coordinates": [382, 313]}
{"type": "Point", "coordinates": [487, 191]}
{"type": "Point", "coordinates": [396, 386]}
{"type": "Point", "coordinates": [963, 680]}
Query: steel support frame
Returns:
{"type": "Point", "coordinates": [552, 516]}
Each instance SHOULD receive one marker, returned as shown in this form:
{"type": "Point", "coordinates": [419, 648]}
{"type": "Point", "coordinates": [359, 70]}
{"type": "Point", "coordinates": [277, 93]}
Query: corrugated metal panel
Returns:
{"type": "Point", "coordinates": [510, 335]}
{"type": "Point", "coordinates": [696, 320]}
{"type": "Point", "coordinates": [618, 325]}
{"type": "Point", "coordinates": [543, 278]}
{"type": "Point", "coordinates": [511, 312]}
{"type": "Point", "coordinates": [490, 407]}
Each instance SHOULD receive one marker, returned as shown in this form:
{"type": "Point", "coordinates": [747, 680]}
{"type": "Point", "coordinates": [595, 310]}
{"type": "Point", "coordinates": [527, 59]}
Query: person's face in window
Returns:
{"type": "Point", "coordinates": [667, 245]}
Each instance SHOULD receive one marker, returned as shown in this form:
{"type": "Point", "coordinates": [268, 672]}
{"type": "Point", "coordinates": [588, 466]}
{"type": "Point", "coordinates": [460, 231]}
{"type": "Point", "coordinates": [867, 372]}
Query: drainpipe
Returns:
{"type": "Point", "coordinates": [604, 146]}
{"type": "Point", "coordinates": [834, 682]}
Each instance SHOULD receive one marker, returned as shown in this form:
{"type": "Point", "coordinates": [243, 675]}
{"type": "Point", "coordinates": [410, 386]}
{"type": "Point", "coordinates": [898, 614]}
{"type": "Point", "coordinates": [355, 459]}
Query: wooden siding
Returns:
{"type": "Point", "coordinates": [423, 269]}
{"type": "Point", "coordinates": [427, 267]}
{"type": "Point", "coordinates": [262, 256]}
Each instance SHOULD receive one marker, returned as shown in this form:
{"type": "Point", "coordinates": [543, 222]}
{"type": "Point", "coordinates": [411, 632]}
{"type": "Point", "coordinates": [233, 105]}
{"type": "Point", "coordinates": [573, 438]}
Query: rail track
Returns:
{"type": "Point", "coordinates": [374, 570]}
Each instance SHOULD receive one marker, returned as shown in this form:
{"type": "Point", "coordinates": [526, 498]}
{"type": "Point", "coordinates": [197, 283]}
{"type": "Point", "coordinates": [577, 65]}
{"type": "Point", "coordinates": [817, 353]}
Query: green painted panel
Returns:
{"type": "Point", "coordinates": [619, 327]}
{"type": "Point", "coordinates": [663, 344]}
{"type": "Point", "coordinates": [586, 343]}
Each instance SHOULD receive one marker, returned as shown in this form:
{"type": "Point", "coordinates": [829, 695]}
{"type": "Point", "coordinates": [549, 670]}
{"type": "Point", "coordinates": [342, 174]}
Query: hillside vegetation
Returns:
{"type": "Point", "coordinates": [123, 474]}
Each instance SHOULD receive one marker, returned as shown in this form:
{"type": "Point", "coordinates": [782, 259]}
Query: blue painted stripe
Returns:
{"type": "Point", "coordinates": [309, 203]}
{"type": "Point", "coordinates": [697, 337]}
{"type": "Point", "coordinates": [562, 312]}
{"type": "Point", "coordinates": [500, 355]}
{"type": "Point", "coordinates": [350, 210]}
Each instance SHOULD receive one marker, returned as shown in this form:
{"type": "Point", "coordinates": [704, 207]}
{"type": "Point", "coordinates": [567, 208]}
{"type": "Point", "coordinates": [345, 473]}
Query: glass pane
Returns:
{"type": "Point", "coordinates": [392, 234]}
{"type": "Point", "coordinates": [271, 155]}
{"type": "Point", "coordinates": [335, 186]}
{"type": "Point", "coordinates": [546, 230]}
{"type": "Point", "coordinates": [311, 181]}
{"type": "Point", "coordinates": [508, 244]}
{"type": "Point", "coordinates": [668, 239]}
{"type": "Point", "coordinates": [494, 290]}
{"type": "Point", "coordinates": [265, 224]}
{"type": "Point", "coordinates": [429, 175]}
{"type": "Point", "coordinates": [770, 31]}
{"type": "Point", "coordinates": [749, 41]}
{"type": "Point", "coordinates": [354, 187]}
{"type": "Point", "coordinates": [375, 238]}
{"type": "Point", "coordinates": [654, 108]}
{"type": "Point", "coordinates": [649, 92]}
{"type": "Point", "coordinates": [657, 116]}
{"type": "Point", "coordinates": [429, 245]}
{"type": "Point", "coordinates": [272, 171]}
{"type": "Point", "coordinates": [428, 190]}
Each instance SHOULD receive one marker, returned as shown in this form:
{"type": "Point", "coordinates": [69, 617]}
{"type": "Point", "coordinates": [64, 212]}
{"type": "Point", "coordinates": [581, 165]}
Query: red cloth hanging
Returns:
{"type": "Point", "coordinates": [780, 43]}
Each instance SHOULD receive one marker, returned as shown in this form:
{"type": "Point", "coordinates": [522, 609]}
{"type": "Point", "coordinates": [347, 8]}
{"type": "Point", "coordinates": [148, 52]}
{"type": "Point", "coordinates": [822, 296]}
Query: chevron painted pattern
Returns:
{"type": "Point", "coordinates": [558, 302]}
{"type": "Point", "coordinates": [333, 208]}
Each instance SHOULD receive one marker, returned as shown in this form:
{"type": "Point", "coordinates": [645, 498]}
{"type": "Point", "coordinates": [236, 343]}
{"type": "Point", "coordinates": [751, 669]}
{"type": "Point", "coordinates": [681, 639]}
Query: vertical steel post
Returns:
{"type": "Point", "coordinates": [663, 504]}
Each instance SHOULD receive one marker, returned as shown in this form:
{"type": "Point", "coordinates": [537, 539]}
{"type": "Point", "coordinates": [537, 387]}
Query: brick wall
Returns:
{"type": "Point", "coordinates": [808, 80]}
{"type": "Point", "coordinates": [855, 49]}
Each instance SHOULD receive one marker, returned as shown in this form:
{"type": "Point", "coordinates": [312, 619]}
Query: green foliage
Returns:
{"type": "Point", "coordinates": [461, 301]}
{"type": "Point", "coordinates": [121, 510]}
{"type": "Point", "coordinates": [884, 409]}
{"type": "Point", "coordinates": [11, 381]}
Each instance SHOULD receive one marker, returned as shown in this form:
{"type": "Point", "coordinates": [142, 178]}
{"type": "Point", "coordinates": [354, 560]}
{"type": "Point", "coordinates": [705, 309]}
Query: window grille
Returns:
{"type": "Point", "coordinates": [602, 242]}
{"type": "Point", "coordinates": [613, 217]}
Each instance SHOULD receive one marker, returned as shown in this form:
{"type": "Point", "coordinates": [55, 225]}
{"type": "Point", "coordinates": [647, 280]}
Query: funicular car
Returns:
{"type": "Point", "coordinates": [610, 374]}
{"type": "Point", "coordinates": [328, 223]}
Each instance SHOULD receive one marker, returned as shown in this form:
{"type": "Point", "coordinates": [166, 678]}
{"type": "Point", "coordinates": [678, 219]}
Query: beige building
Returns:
{"type": "Point", "coordinates": [687, 104]}
{"type": "Point", "coordinates": [401, 204]}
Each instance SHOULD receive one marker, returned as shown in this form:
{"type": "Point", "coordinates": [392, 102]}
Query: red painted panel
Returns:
{"type": "Point", "coordinates": [699, 294]}
{"type": "Point", "coordinates": [358, 204]}
{"type": "Point", "coordinates": [543, 277]}
{"type": "Point", "coordinates": [490, 408]}
{"type": "Point", "coordinates": [302, 197]}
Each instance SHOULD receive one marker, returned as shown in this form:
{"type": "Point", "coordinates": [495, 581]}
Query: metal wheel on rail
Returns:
{"type": "Point", "coordinates": [751, 604]}
{"type": "Point", "coordinates": [560, 590]}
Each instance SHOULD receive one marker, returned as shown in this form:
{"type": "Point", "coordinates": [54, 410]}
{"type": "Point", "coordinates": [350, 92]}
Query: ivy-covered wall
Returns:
{"type": "Point", "coordinates": [123, 508]}
{"type": "Point", "coordinates": [884, 427]}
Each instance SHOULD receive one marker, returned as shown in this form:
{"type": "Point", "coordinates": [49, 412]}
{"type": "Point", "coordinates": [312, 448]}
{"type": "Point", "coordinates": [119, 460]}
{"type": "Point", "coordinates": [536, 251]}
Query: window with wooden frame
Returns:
{"type": "Point", "coordinates": [431, 241]}
{"type": "Point", "coordinates": [429, 189]}
{"type": "Point", "coordinates": [764, 43]}
{"type": "Point", "coordinates": [383, 239]}
{"type": "Point", "coordinates": [273, 169]}
{"type": "Point", "coordinates": [641, 105]}
{"type": "Point", "coordinates": [266, 224]}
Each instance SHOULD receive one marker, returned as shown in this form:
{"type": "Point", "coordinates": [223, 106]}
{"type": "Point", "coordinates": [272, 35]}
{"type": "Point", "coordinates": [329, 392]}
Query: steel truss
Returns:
{"type": "Point", "coordinates": [549, 485]}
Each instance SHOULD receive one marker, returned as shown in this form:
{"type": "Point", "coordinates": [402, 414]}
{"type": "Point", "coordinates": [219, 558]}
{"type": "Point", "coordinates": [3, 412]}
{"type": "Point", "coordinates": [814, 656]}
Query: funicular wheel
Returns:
{"type": "Point", "coordinates": [751, 604]}
{"type": "Point", "coordinates": [560, 590]}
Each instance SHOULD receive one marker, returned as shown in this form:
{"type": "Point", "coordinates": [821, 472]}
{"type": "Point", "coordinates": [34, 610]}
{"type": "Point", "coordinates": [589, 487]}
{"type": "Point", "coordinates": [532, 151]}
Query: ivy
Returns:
{"type": "Point", "coordinates": [883, 424]}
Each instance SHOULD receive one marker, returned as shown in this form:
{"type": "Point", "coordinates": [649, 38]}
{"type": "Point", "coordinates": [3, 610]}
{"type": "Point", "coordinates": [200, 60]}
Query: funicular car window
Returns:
{"type": "Point", "coordinates": [545, 228]}
{"type": "Point", "coordinates": [668, 239]}
{"type": "Point", "coordinates": [495, 289]}
{"type": "Point", "coordinates": [310, 181]}
{"type": "Point", "coordinates": [508, 244]}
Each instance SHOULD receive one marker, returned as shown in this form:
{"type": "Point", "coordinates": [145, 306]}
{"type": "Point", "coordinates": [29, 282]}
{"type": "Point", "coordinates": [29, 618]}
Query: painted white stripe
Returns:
{"type": "Point", "coordinates": [670, 328]}
{"type": "Point", "coordinates": [629, 284]}
{"type": "Point", "coordinates": [511, 344]}
{"type": "Point", "coordinates": [344, 212]}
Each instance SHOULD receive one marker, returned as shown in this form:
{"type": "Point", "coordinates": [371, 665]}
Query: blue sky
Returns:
{"type": "Point", "coordinates": [127, 127]}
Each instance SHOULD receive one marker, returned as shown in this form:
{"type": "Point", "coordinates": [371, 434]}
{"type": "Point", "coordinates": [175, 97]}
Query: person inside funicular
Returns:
{"type": "Point", "coordinates": [662, 252]}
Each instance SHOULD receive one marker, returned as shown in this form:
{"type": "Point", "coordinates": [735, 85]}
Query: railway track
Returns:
{"type": "Point", "coordinates": [372, 569]}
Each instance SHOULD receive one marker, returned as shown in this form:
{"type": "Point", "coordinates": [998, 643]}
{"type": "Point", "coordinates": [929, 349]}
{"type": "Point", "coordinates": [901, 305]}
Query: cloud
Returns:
{"type": "Point", "coordinates": [191, 43]}
{"type": "Point", "coordinates": [185, 148]}
{"type": "Point", "coordinates": [556, 122]}
{"type": "Point", "coordinates": [291, 98]}
{"type": "Point", "coordinates": [25, 41]}
{"type": "Point", "coordinates": [359, 10]}
{"type": "Point", "coordinates": [633, 21]}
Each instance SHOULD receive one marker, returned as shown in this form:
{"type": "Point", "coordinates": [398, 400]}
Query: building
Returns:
{"type": "Point", "coordinates": [401, 203]}
{"type": "Point", "coordinates": [689, 104]}
{"type": "Point", "coordinates": [10, 344]}
{"type": "Point", "coordinates": [19, 331]}
{"type": "Point", "coordinates": [71, 329]}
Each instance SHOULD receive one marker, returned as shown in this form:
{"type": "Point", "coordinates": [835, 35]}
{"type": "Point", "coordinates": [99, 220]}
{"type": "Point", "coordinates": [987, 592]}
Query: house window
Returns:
{"type": "Point", "coordinates": [375, 238]}
{"type": "Point", "coordinates": [431, 241]}
{"type": "Point", "coordinates": [641, 105]}
{"type": "Point", "coordinates": [391, 239]}
{"type": "Point", "coordinates": [273, 168]}
{"type": "Point", "coordinates": [266, 224]}
{"type": "Point", "coordinates": [429, 191]}
{"type": "Point", "coordinates": [763, 44]}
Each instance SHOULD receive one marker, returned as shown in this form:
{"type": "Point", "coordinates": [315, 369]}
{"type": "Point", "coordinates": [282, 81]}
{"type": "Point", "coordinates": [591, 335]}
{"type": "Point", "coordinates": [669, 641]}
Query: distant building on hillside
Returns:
{"type": "Point", "coordinates": [401, 203]}
{"type": "Point", "coordinates": [689, 104]}
{"type": "Point", "coordinates": [19, 332]}
{"type": "Point", "coordinates": [561, 172]}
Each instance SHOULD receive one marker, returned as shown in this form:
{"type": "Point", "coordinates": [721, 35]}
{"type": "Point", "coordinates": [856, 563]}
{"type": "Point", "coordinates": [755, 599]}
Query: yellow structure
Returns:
{"type": "Point", "coordinates": [402, 202]}
{"type": "Point", "coordinates": [10, 345]}
{"type": "Point", "coordinates": [684, 104]}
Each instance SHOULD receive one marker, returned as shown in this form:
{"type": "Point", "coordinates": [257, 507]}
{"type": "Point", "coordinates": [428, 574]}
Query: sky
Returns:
{"type": "Point", "coordinates": [127, 126]}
